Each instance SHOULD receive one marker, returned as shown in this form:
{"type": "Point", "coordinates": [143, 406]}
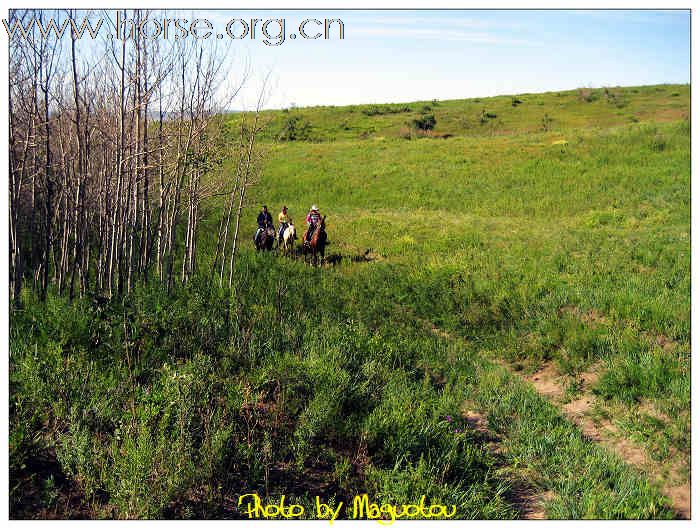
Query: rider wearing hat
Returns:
{"type": "Point", "coordinates": [284, 220]}
{"type": "Point", "coordinates": [313, 219]}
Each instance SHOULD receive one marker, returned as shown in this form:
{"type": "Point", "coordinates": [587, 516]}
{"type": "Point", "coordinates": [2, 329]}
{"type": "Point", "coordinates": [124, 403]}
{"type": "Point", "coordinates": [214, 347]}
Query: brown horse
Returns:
{"type": "Point", "coordinates": [317, 245]}
{"type": "Point", "coordinates": [265, 240]}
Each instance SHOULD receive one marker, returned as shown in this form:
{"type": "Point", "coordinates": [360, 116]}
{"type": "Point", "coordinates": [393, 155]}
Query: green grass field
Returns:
{"type": "Point", "coordinates": [553, 237]}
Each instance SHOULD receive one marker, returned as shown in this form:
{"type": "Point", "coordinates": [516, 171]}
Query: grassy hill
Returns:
{"type": "Point", "coordinates": [501, 115]}
{"type": "Point", "coordinates": [474, 261]}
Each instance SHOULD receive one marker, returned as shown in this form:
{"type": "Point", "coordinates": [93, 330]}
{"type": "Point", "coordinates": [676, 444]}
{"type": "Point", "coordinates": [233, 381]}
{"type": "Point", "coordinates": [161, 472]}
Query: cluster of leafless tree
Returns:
{"type": "Point", "coordinates": [114, 147]}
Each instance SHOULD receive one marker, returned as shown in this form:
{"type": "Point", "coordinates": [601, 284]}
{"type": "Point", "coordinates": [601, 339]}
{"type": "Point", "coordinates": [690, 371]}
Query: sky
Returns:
{"type": "Point", "coordinates": [412, 55]}
{"type": "Point", "coordinates": [401, 56]}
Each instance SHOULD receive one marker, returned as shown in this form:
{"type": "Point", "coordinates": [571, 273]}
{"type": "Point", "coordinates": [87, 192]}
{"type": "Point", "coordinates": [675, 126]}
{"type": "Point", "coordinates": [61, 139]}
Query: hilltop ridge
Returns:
{"type": "Point", "coordinates": [487, 116]}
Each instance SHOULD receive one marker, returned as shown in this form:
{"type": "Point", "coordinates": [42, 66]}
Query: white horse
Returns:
{"type": "Point", "coordinates": [289, 235]}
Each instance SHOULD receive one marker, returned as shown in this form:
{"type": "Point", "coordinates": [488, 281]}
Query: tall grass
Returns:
{"type": "Point", "coordinates": [339, 381]}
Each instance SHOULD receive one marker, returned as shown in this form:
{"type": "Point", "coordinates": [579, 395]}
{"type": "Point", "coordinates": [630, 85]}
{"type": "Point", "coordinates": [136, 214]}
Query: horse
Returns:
{"type": "Point", "coordinates": [265, 240]}
{"type": "Point", "coordinates": [289, 235]}
{"type": "Point", "coordinates": [317, 244]}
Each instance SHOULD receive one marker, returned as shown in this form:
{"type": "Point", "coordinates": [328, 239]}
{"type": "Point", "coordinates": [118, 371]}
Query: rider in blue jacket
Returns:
{"type": "Point", "coordinates": [264, 220]}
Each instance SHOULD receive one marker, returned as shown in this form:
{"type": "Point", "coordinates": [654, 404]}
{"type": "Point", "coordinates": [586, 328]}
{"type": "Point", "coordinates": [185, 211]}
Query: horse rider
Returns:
{"type": "Point", "coordinates": [264, 221]}
{"type": "Point", "coordinates": [313, 219]}
{"type": "Point", "coordinates": [284, 220]}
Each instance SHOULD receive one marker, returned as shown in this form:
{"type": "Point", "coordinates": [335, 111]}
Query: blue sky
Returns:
{"type": "Point", "coordinates": [394, 56]}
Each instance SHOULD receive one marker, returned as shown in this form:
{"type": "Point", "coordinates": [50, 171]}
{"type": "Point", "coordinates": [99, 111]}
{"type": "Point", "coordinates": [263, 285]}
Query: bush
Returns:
{"type": "Point", "coordinates": [587, 95]}
{"type": "Point", "coordinates": [425, 122]}
{"type": "Point", "coordinates": [614, 98]}
{"type": "Point", "coordinates": [658, 144]}
{"type": "Point", "coordinates": [546, 123]}
{"type": "Point", "coordinates": [485, 116]}
{"type": "Point", "coordinates": [379, 110]}
{"type": "Point", "coordinates": [296, 129]}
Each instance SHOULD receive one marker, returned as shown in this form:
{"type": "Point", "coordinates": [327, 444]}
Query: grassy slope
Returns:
{"type": "Point", "coordinates": [567, 110]}
{"type": "Point", "coordinates": [486, 235]}
{"type": "Point", "coordinates": [600, 224]}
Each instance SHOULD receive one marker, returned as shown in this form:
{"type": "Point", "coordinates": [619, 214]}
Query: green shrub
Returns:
{"type": "Point", "coordinates": [426, 122]}
{"type": "Point", "coordinates": [658, 143]}
{"type": "Point", "coordinates": [379, 110]}
{"type": "Point", "coordinates": [546, 124]}
{"type": "Point", "coordinates": [295, 128]}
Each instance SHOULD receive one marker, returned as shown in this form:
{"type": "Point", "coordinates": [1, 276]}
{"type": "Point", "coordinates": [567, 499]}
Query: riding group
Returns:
{"type": "Point", "coordinates": [313, 241]}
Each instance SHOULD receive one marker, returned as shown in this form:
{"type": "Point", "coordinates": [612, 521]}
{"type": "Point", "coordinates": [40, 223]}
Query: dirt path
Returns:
{"type": "Point", "coordinates": [551, 385]}
{"type": "Point", "coordinates": [522, 494]}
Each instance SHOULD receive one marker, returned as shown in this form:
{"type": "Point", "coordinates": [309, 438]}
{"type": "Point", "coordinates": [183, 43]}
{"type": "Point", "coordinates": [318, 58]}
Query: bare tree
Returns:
{"type": "Point", "coordinates": [103, 189]}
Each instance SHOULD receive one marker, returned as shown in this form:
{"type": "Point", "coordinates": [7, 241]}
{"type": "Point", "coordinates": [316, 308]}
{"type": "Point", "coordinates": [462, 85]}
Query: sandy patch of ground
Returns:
{"type": "Point", "coordinates": [549, 383]}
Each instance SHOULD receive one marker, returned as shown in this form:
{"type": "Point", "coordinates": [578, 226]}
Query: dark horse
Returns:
{"type": "Point", "coordinates": [317, 245]}
{"type": "Point", "coordinates": [265, 240]}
